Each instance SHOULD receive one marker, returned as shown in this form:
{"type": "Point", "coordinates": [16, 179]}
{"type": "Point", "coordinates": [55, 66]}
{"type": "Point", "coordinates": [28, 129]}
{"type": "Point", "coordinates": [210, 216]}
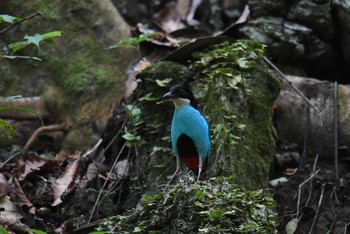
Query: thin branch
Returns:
{"type": "Point", "coordinates": [55, 127]}
{"type": "Point", "coordinates": [293, 87]}
{"type": "Point", "coordinates": [335, 107]}
{"type": "Point", "coordinates": [9, 159]}
{"type": "Point", "coordinates": [105, 183]}
{"type": "Point", "coordinates": [318, 208]}
{"type": "Point", "coordinates": [299, 190]}
{"type": "Point", "coordinates": [310, 186]}
{"type": "Point", "coordinates": [38, 14]}
{"type": "Point", "coordinates": [306, 137]}
{"type": "Point", "coordinates": [332, 207]}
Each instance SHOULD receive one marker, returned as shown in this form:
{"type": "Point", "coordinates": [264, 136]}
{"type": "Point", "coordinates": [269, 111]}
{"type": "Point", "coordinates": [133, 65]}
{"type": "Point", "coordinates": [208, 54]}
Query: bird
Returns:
{"type": "Point", "coordinates": [189, 131]}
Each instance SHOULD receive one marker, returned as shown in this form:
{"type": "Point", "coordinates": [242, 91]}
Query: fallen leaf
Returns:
{"type": "Point", "coordinates": [4, 186]}
{"type": "Point", "coordinates": [22, 197]}
{"type": "Point", "coordinates": [64, 184]}
{"type": "Point", "coordinates": [122, 169]}
{"type": "Point", "coordinates": [9, 213]}
{"type": "Point", "coordinates": [33, 163]}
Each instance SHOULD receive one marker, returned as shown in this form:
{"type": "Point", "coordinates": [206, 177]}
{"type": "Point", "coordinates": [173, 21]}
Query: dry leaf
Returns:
{"type": "Point", "coordinates": [4, 186]}
{"type": "Point", "coordinates": [64, 184]}
{"type": "Point", "coordinates": [9, 212]}
{"type": "Point", "coordinates": [22, 197]}
{"type": "Point", "coordinates": [92, 172]}
{"type": "Point", "coordinates": [33, 163]}
{"type": "Point", "coordinates": [122, 169]}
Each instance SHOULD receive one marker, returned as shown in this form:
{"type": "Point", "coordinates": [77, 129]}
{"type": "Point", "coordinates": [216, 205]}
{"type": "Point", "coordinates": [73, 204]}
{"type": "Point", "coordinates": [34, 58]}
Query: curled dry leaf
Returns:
{"type": "Point", "coordinates": [22, 197]}
{"type": "Point", "coordinates": [64, 184]}
{"type": "Point", "coordinates": [33, 163]}
{"type": "Point", "coordinates": [4, 186]}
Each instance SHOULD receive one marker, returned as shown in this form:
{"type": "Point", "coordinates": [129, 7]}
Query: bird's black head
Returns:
{"type": "Point", "coordinates": [181, 92]}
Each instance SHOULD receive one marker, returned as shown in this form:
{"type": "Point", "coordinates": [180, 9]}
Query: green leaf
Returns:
{"type": "Point", "coordinates": [149, 97]}
{"type": "Point", "coordinates": [35, 231]}
{"type": "Point", "coordinates": [52, 34]}
{"type": "Point", "coordinates": [16, 46]}
{"type": "Point", "coordinates": [163, 83]}
{"type": "Point", "coordinates": [243, 63]}
{"type": "Point", "coordinates": [10, 108]}
{"type": "Point", "coordinates": [3, 230]}
{"type": "Point", "coordinates": [19, 56]}
{"type": "Point", "coordinates": [36, 39]}
{"type": "Point", "coordinates": [9, 19]}
{"type": "Point", "coordinates": [132, 42]}
{"type": "Point", "coordinates": [215, 214]}
{"type": "Point", "coordinates": [199, 204]}
{"type": "Point", "coordinates": [199, 194]}
{"type": "Point", "coordinates": [7, 129]}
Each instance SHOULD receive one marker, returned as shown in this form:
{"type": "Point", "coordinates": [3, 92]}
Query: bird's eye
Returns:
{"type": "Point", "coordinates": [181, 90]}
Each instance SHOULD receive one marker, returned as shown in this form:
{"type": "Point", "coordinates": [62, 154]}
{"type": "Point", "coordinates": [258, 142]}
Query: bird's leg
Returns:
{"type": "Point", "coordinates": [200, 164]}
{"type": "Point", "coordinates": [177, 170]}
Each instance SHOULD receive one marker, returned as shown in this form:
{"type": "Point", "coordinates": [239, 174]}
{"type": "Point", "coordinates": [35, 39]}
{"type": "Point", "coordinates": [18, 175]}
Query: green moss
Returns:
{"type": "Point", "coordinates": [237, 84]}
{"type": "Point", "coordinates": [213, 206]}
{"type": "Point", "coordinates": [235, 92]}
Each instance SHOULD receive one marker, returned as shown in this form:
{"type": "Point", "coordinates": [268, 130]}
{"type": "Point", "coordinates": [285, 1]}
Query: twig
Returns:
{"type": "Point", "coordinates": [10, 158]}
{"type": "Point", "coordinates": [105, 183]}
{"type": "Point", "coordinates": [112, 168]}
{"type": "Point", "coordinates": [333, 211]}
{"type": "Point", "coordinates": [335, 104]}
{"type": "Point", "coordinates": [21, 21]}
{"type": "Point", "coordinates": [346, 228]}
{"type": "Point", "coordinates": [318, 208]}
{"type": "Point", "coordinates": [301, 185]}
{"type": "Point", "coordinates": [306, 137]}
{"type": "Point", "coordinates": [310, 187]}
{"type": "Point", "coordinates": [293, 87]}
{"type": "Point", "coordinates": [40, 130]}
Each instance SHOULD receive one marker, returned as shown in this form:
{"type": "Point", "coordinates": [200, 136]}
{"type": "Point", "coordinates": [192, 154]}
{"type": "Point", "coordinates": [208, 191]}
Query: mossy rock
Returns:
{"type": "Point", "coordinates": [216, 205]}
{"type": "Point", "coordinates": [235, 92]}
{"type": "Point", "coordinates": [85, 75]}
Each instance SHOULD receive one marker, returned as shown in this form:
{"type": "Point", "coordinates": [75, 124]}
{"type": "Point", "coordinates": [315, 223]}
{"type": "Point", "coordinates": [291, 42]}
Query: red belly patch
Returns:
{"type": "Point", "coordinates": [192, 163]}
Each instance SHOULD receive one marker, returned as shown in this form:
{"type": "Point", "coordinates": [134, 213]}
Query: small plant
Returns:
{"type": "Point", "coordinates": [10, 50]}
{"type": "Point", "coordinates": [131, 43]}
{"type": "Point", "coordinates": [4, 126]}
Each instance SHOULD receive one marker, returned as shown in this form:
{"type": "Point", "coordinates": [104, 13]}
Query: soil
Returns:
{"type": "Point", "coordinates": [320, 195]}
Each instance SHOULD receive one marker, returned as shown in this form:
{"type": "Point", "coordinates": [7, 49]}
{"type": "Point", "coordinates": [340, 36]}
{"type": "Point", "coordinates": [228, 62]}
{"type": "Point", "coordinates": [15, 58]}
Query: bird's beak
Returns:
{"type": "Point", "coordinates": [168, 95]}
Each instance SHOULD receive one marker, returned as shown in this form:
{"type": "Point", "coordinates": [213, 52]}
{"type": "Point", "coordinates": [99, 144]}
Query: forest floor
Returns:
{"type": "Point", "coordinates": [315, 199]}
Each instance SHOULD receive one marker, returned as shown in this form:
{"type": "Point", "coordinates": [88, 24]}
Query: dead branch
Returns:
{"type": "Point", "coordinates": [293, 86]}
{"type": "Point", "coordinates": [318, 208]}
{"type": "Point", "coordinates": [299, 190]}
{"type": "Point", "coordinates": [105, 183]}
{"type": "Point", "coordinates": [50, 128]}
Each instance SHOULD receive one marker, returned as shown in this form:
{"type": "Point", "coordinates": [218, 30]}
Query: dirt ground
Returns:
{"type": "Point", "coordinates": [316, 198]}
